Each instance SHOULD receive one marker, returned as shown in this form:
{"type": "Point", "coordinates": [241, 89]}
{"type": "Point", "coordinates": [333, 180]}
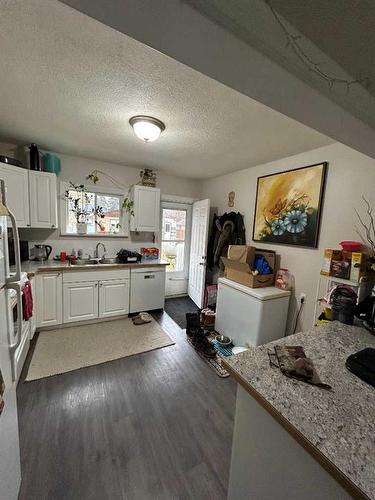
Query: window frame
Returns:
{"type": "Point", "coordinates": [104, 191]}
{"type": "Point", "coordinates": [187, 240]}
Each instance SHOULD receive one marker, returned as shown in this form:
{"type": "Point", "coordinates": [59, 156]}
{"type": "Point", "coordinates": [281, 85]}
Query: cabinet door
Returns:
{"type": "Point", "coordinates": [43, 199]}
{"type": "Point", "coordinates": [146, 209]}
{"type": "Point", "coordinates": [113, 298]}
{"type": "Point", "coordinates": [17, 192]}
{"type": "Point", "coordinates": [48, 299]}
{"type": "Point", "coordinates": [80, 301]}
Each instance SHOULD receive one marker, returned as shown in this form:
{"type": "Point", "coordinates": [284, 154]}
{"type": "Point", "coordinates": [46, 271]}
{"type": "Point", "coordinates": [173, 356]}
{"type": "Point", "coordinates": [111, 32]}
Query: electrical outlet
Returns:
{"type": "Point", "coordinates": [302, 297]}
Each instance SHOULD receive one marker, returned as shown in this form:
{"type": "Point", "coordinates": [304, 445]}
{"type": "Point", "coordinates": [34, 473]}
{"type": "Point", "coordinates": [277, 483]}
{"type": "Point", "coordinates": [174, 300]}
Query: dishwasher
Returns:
{"type": "Point", "coordinates": [147, 290]}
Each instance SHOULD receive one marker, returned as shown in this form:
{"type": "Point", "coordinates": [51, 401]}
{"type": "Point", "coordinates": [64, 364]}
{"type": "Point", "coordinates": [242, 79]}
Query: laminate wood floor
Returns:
{"type": "Point", "coordinates": [156, 425]}
{"type": "Point", "coordinates": [177, 307]}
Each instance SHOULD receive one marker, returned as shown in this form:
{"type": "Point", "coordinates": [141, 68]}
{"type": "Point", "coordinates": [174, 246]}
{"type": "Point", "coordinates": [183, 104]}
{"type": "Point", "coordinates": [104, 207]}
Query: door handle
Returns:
{"type": "Point", "coordinates": [16, 240]}
{"type": "Point", "coordinates": [17, 288]}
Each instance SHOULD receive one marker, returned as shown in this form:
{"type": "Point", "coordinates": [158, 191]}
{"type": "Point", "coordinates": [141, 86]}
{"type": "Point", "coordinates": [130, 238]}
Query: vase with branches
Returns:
{"type": "Point", "coordinates": [80, 205]}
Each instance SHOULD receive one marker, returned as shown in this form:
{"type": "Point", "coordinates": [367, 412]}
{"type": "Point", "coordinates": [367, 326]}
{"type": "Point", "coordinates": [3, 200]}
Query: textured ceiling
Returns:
{"type": "Point", "coordinates": [71, 84]}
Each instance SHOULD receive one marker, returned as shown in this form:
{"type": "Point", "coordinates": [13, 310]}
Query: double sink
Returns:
{"type": "Point", "coordinates": [91, 262]}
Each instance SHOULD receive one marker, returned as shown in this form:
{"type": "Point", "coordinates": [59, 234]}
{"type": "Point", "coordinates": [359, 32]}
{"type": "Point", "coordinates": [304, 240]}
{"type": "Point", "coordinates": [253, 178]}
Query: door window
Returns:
{"type": "Point", "coordinates": [173, 238]}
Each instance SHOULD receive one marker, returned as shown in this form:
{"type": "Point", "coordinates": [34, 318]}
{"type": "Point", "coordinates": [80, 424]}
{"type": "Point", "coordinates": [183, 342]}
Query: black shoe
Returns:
{"type": "Point", "coordinates": [203, 345]}
{"type": "Point", "coordinates": [193, 324]}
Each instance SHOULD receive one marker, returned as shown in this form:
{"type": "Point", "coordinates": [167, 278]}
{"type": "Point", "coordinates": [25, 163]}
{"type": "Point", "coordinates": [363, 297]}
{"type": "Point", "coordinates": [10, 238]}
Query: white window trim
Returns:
{"type": "Point", "coordinates": [124, 219]}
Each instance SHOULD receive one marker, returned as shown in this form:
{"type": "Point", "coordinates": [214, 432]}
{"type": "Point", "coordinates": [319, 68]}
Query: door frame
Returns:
{"type": "Point", "coordinates": [184, 204]}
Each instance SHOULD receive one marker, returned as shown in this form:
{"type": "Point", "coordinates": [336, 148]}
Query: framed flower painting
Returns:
{"type": "Point", "coordinates": [288, 206]}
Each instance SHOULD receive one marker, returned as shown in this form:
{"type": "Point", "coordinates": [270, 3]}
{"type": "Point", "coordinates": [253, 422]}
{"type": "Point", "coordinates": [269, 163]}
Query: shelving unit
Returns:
{"type": "Point", "coordinates": [360, 287]}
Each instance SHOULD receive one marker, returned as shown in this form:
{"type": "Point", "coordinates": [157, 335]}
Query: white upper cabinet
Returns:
{"type": "Point", "coordinates": [43, 199]}
{"type": "Point", "coordinates": [17, 192]}
{"type": "Point", "coordinates": [146, 209]}
{"type": "Point", "coordinates": [31, 196]}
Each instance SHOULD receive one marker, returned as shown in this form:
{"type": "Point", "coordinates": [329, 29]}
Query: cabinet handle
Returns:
{"type": "Point", "coordinates": [96, 284]}
{"type": "Point", "coordinates": [28, 225]}
{"type": "Point", "coordinates": [101, 284]}
{"type": "Point", "coordinates": [53, 225]}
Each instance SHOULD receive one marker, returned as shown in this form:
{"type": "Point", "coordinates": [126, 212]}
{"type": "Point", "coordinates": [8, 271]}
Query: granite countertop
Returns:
{"type": "Point", "coordinates": [32, 267]}
{"type": "Point", "coordinates": [337, 427]}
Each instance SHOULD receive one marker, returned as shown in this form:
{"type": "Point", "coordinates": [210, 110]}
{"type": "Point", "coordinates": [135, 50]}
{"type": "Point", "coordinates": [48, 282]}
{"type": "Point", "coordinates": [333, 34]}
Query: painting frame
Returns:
{"type": "Point", "coordinates": [293, 239]}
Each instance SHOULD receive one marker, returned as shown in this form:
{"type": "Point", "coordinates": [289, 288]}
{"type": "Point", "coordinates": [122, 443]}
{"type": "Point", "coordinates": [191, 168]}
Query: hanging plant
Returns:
{"type": "Point", "coordinates": [127, 204]}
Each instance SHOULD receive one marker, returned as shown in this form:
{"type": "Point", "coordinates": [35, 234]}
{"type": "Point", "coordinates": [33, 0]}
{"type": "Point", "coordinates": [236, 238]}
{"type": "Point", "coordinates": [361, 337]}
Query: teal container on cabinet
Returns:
{"type": "Point", "coordinates": [52, 163]}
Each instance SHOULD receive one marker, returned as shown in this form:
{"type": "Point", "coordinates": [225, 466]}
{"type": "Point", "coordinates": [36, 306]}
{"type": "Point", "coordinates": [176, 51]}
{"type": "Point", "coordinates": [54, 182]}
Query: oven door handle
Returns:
{"type": "Point", "coordinates": [17, 256]}
{"type": "Point", "coordinates": [17, 288]}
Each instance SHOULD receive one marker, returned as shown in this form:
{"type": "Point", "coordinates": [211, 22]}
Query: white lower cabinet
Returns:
{"type": "Point", "coordinates": [70, 297]}
{"type": "Point", "coordinates": [80, 301]}
{"type": "Point", "coordinates": [113, 298]}
{"type": "Point", "coordinates": [48, 299]}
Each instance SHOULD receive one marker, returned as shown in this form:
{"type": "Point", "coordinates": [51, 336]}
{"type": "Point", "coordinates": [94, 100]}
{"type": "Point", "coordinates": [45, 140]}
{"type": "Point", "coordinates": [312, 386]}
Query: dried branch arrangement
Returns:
{"type": "Point", "coordinates": [368, 226]}
{"type": "Point", "coordinates": [293, 41]}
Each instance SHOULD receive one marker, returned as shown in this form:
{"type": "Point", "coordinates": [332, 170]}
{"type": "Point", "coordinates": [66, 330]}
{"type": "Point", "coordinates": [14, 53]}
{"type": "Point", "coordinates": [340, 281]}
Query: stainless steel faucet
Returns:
{"type": "Point", "coordinates": [96, 253]}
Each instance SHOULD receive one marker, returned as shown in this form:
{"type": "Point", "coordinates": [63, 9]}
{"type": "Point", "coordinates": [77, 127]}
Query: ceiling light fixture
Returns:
{"type": "Point", "coordinates": [146, 128]}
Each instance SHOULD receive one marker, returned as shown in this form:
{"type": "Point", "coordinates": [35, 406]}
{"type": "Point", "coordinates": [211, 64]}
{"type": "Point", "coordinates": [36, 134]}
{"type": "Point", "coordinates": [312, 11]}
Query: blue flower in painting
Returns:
{"type": "Point", "coordinates": [295, 221]}
{"type": "Point", "coordinates": [278, 227]}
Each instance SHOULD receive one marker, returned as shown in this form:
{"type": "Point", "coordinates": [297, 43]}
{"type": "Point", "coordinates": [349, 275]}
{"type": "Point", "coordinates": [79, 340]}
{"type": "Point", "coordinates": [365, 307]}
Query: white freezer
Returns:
{"type": "Point", "coordinates": [250, 316]}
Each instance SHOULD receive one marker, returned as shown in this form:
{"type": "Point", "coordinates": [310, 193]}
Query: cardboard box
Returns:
{"type": "Point", "coordinates": [358, 266]}
{"type": "Point", "coordinates": [241, 253]}
{"type": "Point", "coordinates": [330, 255]}
{"type": "Point", "coordinates": [240, 272]}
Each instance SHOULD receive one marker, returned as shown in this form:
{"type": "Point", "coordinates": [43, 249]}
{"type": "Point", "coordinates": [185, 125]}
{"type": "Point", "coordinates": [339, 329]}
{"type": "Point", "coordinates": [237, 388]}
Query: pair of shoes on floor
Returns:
{"type": "Point", "coordinates": [208, 317]}
{"type": "Point", "coordinates": [197, 335]}
{"type": "Point", "coordinates": [142, 318]}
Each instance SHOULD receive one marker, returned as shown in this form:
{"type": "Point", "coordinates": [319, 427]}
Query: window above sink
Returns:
{"type": "Point", "coordinates": [115, 222]}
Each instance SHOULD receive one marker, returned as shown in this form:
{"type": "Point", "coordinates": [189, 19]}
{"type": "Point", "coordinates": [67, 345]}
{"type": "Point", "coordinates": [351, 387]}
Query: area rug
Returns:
{"type": "Point", "coordinates": [67, 349]}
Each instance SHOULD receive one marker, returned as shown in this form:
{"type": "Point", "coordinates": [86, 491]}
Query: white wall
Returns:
{"type": "Point", "coordinates": [76, 169]}
{"type": "Point", "coordinates": [350, 175]}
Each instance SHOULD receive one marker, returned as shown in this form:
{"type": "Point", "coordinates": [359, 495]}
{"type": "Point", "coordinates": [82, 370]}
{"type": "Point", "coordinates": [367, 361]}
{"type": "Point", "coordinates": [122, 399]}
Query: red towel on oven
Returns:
{"type": "Point", "coordinates": [27, 301]}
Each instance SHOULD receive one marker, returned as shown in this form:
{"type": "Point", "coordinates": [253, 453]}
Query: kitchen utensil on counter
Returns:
{"type": "Point", "coordinates": [34, 157]}
{"type": "Point", "coordinates": [41, 252]}
{"type": "Point", "coordinates": [63, 256]}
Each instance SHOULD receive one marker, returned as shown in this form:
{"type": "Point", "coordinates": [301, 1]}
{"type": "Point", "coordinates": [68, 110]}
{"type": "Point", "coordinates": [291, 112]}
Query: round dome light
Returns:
{"type": "Point", "coordinates": [146, 128]}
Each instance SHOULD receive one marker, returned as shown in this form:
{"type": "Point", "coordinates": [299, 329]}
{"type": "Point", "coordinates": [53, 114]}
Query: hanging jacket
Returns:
{"type": "Point", "coordinates": [219, 239]}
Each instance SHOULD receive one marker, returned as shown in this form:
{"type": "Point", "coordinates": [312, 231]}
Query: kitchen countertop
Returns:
{"type": "Point", "coordinates": [32, 267]}
{"type": "Point", "coordinates": [336, 427]}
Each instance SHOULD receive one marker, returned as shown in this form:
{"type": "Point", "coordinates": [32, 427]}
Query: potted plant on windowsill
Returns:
{"type": "Point", "coordinates": [80, 205]}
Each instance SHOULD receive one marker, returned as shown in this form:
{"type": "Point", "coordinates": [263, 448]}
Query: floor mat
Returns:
{"type": "Point", "coordinates": [177, 308]}
{"type": "Point", "coordinates": [68, 349]}
{"type": "Point", "coordinates": [214, 363]}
